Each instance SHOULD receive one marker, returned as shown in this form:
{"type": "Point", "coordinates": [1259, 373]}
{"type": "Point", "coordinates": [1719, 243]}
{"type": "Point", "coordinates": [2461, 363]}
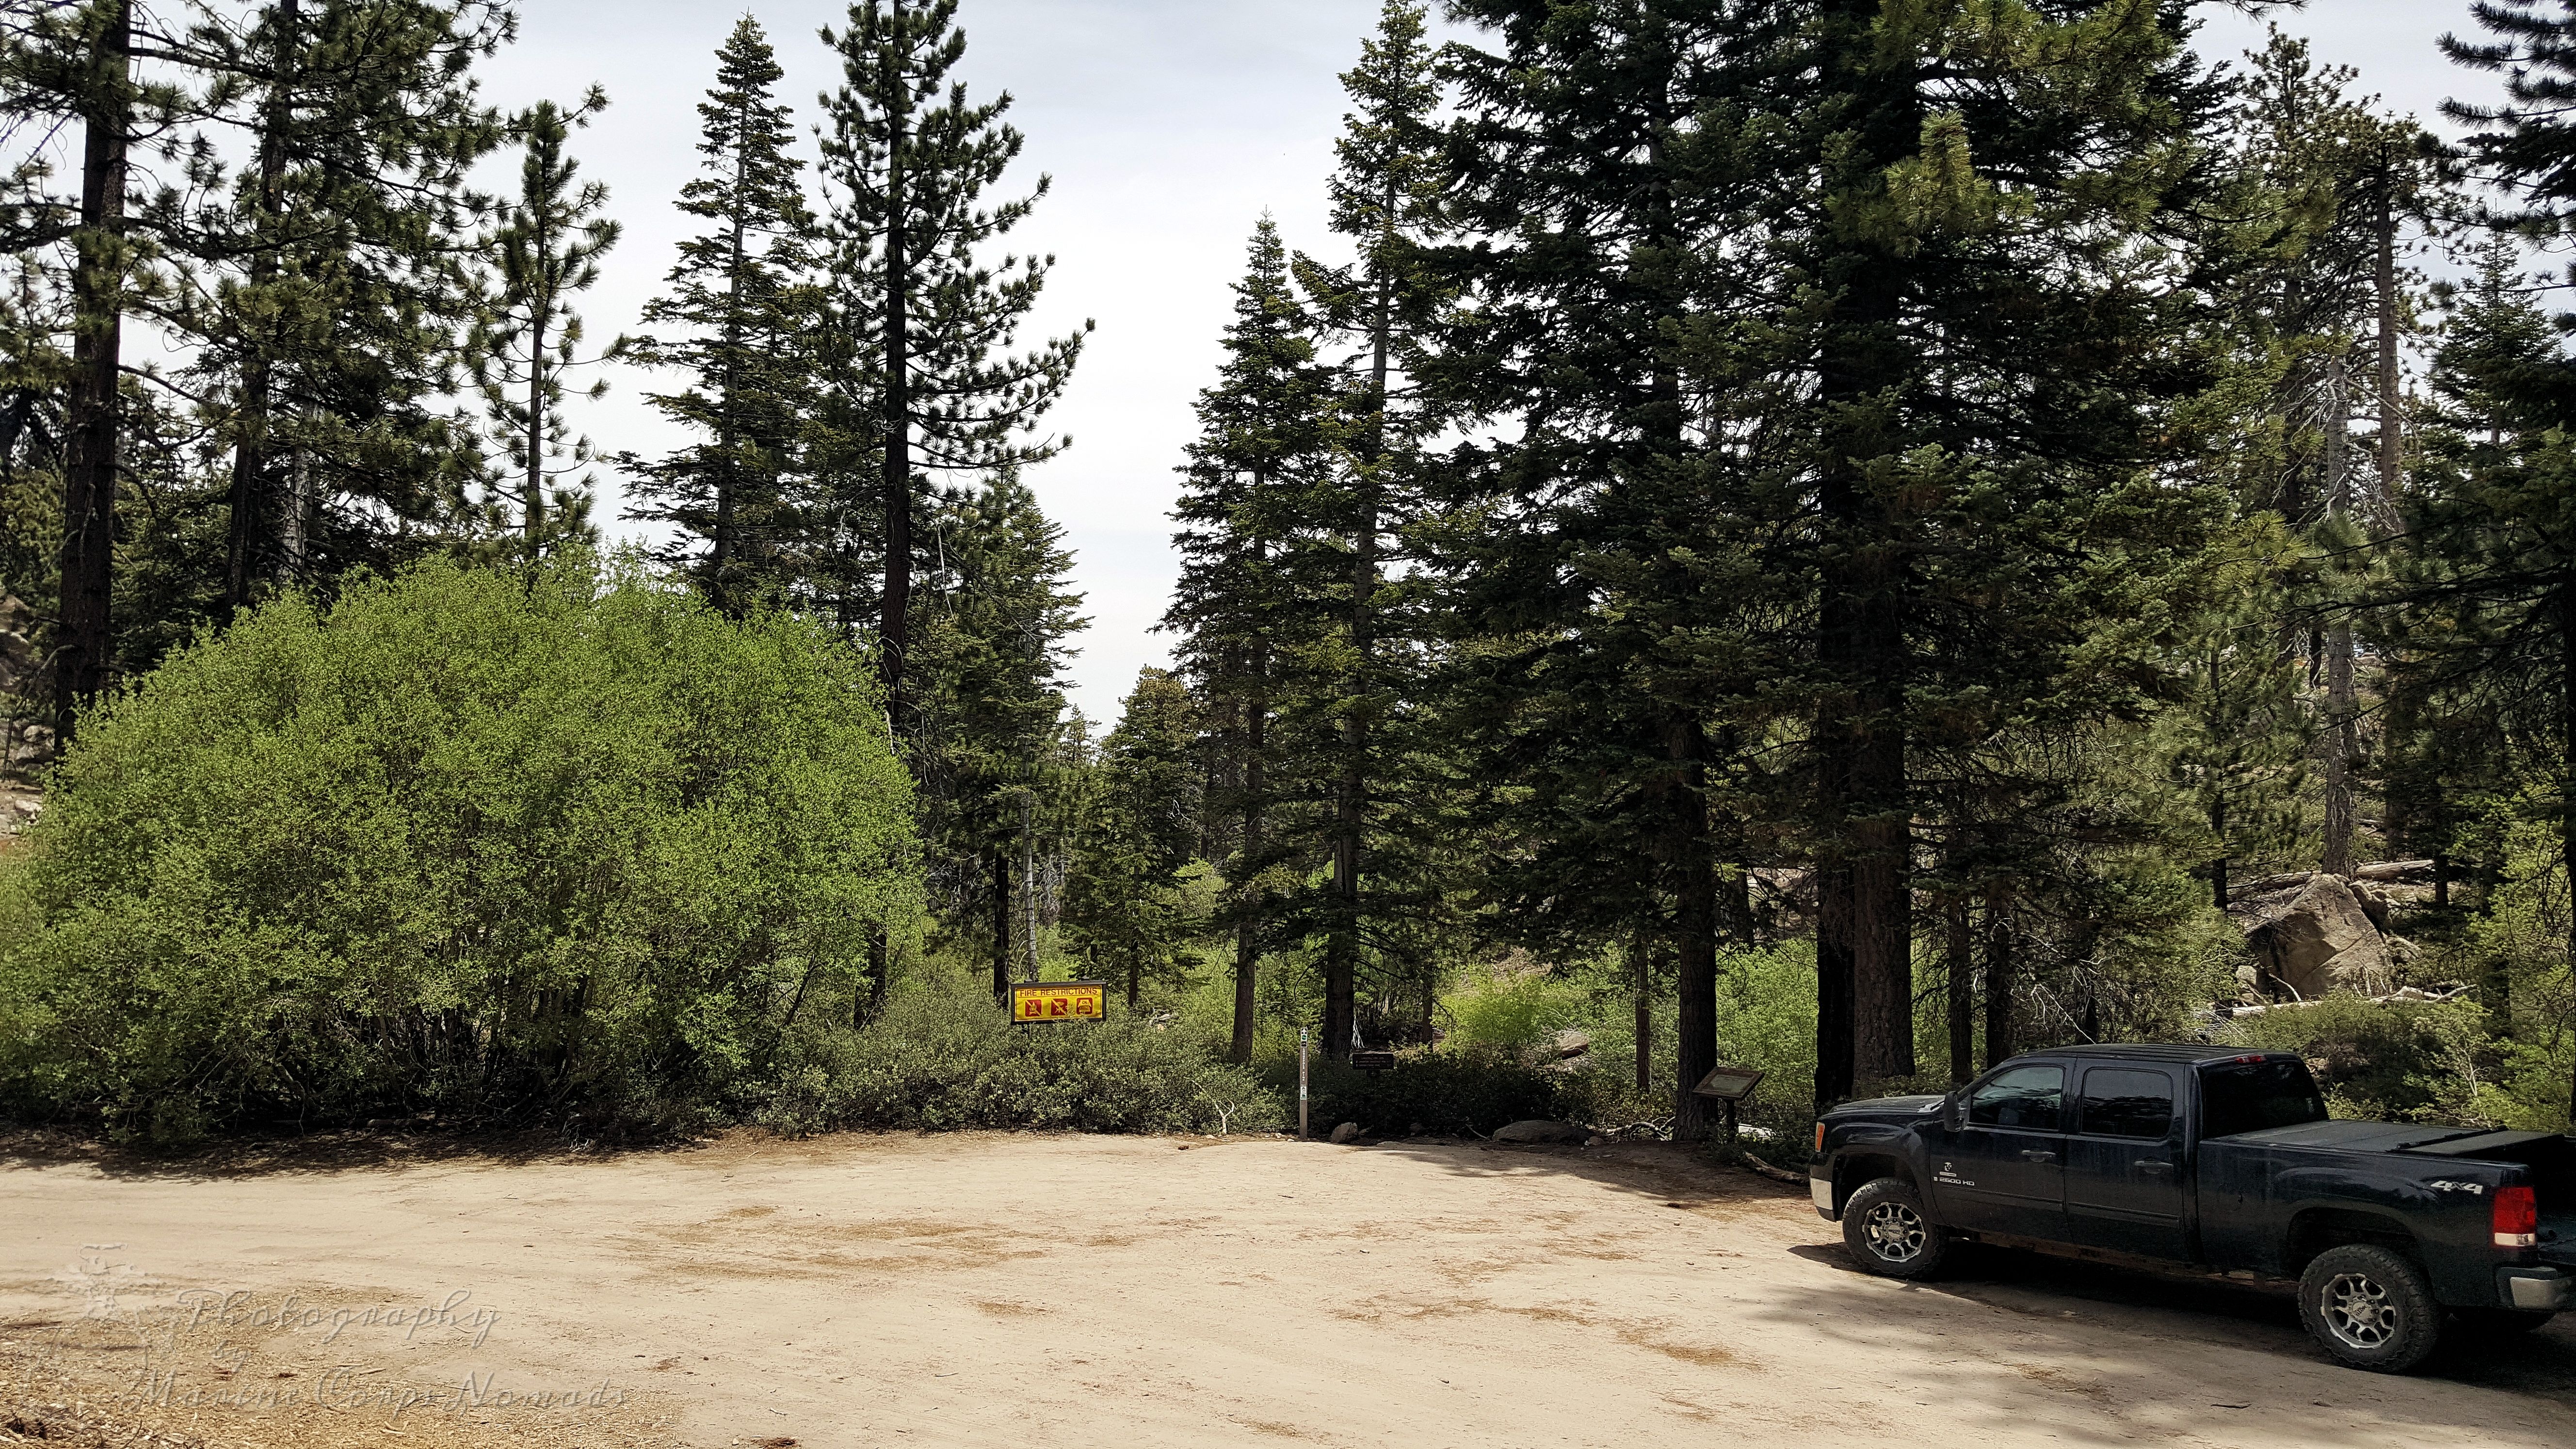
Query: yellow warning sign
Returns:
{"type": "Point", "coordinates": [1058, 1001]}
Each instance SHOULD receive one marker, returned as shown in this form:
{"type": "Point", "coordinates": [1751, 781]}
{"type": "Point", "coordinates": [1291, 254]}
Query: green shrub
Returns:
{"type": "Point", "coordinates": [2401, 1061]}
{"type": "Point", "coordinates": [943, 1057]}
{"type": "Point", "coordinates": [488, 843]}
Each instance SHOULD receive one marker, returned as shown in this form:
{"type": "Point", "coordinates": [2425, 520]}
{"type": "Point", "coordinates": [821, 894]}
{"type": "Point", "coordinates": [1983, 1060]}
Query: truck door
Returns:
{"type": "Point", "coordinates": [2004, 1170]}
{"type": "Point", "coordinates": [2124, 1177]}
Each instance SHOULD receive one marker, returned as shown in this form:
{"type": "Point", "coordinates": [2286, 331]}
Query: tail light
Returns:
{"type": "Point", "coordinates": [2517, 1218]}
{"type": "Point", "coordinates": [1820, 1137]}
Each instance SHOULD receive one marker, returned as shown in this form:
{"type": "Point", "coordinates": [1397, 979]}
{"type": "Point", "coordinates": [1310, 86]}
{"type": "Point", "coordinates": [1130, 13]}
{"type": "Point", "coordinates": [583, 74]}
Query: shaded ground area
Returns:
{"type": "Point", "coordinates": [1075, 1291]}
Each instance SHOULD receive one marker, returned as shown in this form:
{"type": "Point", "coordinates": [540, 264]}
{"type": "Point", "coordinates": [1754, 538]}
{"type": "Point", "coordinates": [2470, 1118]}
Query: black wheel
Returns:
{"type": "Point", "coordinates": [2369, 1308]}
{"type": "Point", "coordinates": [2500, 1322]}
{"type": "Point", "coordinates": [1888, 1232]}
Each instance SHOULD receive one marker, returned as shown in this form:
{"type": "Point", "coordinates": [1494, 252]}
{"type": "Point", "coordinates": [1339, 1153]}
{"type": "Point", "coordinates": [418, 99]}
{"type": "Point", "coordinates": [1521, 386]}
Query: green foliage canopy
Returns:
{"type": "Point", "coordinates": [479, 842]}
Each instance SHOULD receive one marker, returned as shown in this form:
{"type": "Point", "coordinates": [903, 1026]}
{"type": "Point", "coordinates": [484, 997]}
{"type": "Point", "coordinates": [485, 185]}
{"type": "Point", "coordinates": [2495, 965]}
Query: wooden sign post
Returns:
{"type": "Point", "coordinates": [1731, 1085]}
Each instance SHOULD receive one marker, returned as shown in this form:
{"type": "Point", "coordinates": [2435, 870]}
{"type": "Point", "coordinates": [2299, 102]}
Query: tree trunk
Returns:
{"type": "Point", "coordinates": [251, 451]}
{"type": "Point", "coordinates": [1833, 985]}
{"type": "Point", "coordinates": [294, 533]}
{"type": "Point", "coordinates": [1962, 969]}
{"type": "Point", "coordinates": [1001, 925]}
{"type": "Point", "coordinates": [2567, 759]}
{"type": "Point", "coordinates": [1351, 790]}
{"type": "Point", "coordinates": [1864, 1016]}
{"type": "Point", "coordinates": [872, 1001]}
{"type": "Point", "coordinates": [1247, 931]}
{"type": "Point", "coordinates": [894, 621]}
{"type": "Point", "coordinates": [720, 549]}
{"type": "Point", "coordinates": [1694, 929]}
{"type": "Point", "coordinates": [1641, 966]}
{"type": "Point", "coordinates": [2340, 743]}
{"type": "Point", "coordinates": [2392, 435]}
{"type": "Point", "coordinates": [1999, 948]}
{"type": "Point", "coordinates": [90, 446]}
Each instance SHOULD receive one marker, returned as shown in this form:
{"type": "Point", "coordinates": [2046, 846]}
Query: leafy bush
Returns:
{"type": "Point", "coordinates": [944, 1057]}
{"type": "Point", "coordinates": [2401, 1061]}
{"type": "Point", "coordinates": [479, 842]}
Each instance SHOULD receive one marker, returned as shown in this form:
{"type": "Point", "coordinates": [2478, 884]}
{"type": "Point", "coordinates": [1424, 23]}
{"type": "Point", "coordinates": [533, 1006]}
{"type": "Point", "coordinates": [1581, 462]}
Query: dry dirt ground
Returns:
{"type": "Point", "coordinates": [1025, 1291]}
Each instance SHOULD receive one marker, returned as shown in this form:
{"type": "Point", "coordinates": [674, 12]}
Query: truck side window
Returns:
{"type": "Point", "coordinates": [2123, 1103]}
{"type": "Point", "coordinates": [2244, 1096]}
{"type": "Point", "coordinates": [2024, 1097]}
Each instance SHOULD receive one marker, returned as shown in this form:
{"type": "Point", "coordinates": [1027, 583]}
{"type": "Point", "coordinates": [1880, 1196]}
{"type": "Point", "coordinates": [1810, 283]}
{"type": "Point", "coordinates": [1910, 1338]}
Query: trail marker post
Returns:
{"type": "Point", "coordinates": [1301, 1084]}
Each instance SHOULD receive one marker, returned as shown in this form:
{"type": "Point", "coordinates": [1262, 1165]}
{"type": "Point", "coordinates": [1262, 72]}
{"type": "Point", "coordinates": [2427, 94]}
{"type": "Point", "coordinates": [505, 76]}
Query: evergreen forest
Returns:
{"type": "Point", "coordinates": [1849, 537]}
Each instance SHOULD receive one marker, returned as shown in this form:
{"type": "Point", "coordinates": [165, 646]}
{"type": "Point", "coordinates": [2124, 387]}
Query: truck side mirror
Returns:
{"type": "Point", "coordinates": [1954, 1112]}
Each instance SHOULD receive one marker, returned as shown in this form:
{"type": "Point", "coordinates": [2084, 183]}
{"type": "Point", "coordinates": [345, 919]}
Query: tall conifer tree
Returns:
{"type": "Point", "coordinates": [744, 301]}
{"type": "Point", "coordinates": [529, 337]}
{"type": "Point", "coordinates": [1269, 438]}
{"type": "Point", "coordinates": [908, 161]}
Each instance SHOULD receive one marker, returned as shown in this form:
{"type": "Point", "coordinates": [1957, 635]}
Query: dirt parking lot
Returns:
{"type": "Point", "coordinates": [1074, 1291]}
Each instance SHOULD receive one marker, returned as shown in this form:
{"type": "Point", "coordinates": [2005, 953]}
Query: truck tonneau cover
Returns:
{"type": "Point", "coordinates": [2349, 1136]}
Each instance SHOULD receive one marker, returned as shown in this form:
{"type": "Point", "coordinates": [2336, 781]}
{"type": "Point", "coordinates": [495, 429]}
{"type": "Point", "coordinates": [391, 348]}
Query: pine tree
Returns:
{"type": "Point", "coordinates": [334, 319]}
{"type": "Point", "coordinates": [908, 168]}
{"type": "Point", "coordinates": [1128, 900]}
{"type": "Point", "coordinates": [1269, 439]}
{"type": "Point", "coordinates": [1602, 558]}
{"type": "Point", "coordinates": [529, 337]}
{"type": "Point", "coordinates": [742, 296]}
{"type": "Point", "coordinates": [1385, 197]}
{"type": "Point", "coordinates": [989, 746]}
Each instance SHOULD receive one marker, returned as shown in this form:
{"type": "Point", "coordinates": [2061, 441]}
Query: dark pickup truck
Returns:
{"type": "Point", "coordinates": [2220, 1160]}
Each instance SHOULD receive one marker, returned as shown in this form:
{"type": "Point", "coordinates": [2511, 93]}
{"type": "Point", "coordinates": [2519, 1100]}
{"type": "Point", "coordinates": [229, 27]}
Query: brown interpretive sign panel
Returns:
{"type": "Point", "coordinates": [1729, 1084]}
{"type": "Point", "coordinates": [1034, 1002]}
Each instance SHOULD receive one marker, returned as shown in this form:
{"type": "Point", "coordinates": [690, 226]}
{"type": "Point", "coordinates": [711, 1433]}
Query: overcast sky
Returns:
{"type": "Point", "coordinates": [1169, 127]}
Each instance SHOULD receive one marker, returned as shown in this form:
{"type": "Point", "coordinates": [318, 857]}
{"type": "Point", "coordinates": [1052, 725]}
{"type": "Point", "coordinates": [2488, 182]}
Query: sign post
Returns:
{"type": "Point", "coordinates": [1037, 1002]}
{"type": "Point", "coordinates": [1730, 1085]}
{"type": "Point", "coordinates": [1301, 1084]}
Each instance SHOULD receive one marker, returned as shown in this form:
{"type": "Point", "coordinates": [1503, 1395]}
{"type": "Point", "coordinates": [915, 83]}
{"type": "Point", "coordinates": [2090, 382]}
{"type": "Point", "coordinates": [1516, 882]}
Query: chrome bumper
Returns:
{"type": "Point", "coordinates": [1822, 1190]}
{"type": "Point", "coordinates": [2536, 1290]}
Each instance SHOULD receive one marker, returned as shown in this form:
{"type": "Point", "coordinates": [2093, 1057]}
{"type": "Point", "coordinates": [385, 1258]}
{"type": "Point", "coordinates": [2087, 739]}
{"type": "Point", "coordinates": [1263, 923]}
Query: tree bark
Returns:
{"type": "Point", "coordinates": [1865, 946]}
{"type": "Point", "coordinates": [90, 447]}
{"type": "Point", "coordinates": [1641, 967]}
{"type": "Point", "coordinates": [1962, 969]}
{"type": "Point", "coordinates": [1999, 948]}
{"type": "Point", "coordinates": [1247, 930]}
{"type": "Point", "coordinates": [2392, 435]}
{"type": "Point", "coordinates": [1833, 985]}
{"type": "Point", "coordinates": [1001, 925]}
{"type": "Point", "coordinates": [2340, 742]}
{"type": "Point", "coordinates": [1694, 929]}
{"type": "Point", "coordinates": [895, 618]}
{"type": "Point", "coordinates": [250, 450]}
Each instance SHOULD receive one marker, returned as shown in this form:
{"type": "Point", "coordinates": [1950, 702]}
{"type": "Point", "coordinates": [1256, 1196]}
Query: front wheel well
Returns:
{"type": "Point", "coordinates": [2316, 1229]}
{"type": "Point", "coordinates": [1861, 1169]}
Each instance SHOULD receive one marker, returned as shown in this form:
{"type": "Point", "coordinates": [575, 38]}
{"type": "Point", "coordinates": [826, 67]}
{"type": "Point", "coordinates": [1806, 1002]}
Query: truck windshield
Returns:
{"type": "Point", "coordinates": [2250, 1096]}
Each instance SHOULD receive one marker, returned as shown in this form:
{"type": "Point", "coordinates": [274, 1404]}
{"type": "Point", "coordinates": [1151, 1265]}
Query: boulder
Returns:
{"type": "Point", "coordinates": [1571, 1043]}
{"type": "Point", "coordinates": [2374, 902]}
{"type": "Point", "coordinates": [1565, 1132]}
{"type": "Point", "coordinates": [1346, 1132]}
{"type": "Point", "coordinates": [2321, 942]}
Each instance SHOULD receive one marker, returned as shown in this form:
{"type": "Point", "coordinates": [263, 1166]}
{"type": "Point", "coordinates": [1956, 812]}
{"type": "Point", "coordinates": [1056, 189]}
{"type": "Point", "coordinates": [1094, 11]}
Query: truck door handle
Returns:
{"type": "Point", "coordinates": [2039, 1157]}
{"type": "Point", "coordinates": [2155, 1169]}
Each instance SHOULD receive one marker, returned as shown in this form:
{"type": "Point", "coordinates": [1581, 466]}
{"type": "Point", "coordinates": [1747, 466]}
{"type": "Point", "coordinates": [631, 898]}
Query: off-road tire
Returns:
{"type": "Point", "coordinates": [2370, 1308]}
{"type": "Point", "coordinates": [2501, 1322]}
{"type": "Point", "coordinates": [1889, 1233]}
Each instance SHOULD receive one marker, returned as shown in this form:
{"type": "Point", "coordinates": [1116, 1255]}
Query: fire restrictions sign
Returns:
{"type": "Point", "coordinates": [1036, 1001]}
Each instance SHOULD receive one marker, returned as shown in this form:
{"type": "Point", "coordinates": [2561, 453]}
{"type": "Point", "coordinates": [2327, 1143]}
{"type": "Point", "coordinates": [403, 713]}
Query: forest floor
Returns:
{"type": "Point", "coordinates": [1034, 1291]}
